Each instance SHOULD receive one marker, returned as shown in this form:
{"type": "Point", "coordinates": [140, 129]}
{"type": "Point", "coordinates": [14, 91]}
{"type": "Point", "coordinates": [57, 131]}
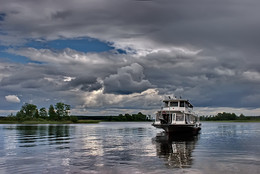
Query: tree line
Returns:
{"type": "Point", "coordinates": [126, 117]}
{"type": "Point", "coordinates": [226, 116]}
{"type": "Point", "coordinates": [59, 112]}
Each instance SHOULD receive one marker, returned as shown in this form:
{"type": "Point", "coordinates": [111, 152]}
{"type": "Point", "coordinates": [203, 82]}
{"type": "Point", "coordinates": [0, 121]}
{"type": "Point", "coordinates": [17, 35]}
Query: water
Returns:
{"type": "Point", "coordinates": [128, 148]}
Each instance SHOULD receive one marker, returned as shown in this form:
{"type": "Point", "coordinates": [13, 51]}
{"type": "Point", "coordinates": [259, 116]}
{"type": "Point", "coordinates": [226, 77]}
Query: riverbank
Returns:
{"type": "Point", "coordinates": [49, 122]}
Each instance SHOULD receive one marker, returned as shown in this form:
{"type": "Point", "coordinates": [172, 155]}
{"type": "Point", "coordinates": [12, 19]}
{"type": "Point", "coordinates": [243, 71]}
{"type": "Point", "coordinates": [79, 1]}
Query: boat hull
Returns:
{"type": "Point", "coordinates": [178, 129]}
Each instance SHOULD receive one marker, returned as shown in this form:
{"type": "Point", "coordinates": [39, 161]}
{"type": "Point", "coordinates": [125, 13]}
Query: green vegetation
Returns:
{"type": "Point", "coordinates": [120, 117]}
{"type": "Point", "coordinates": [60, 114]}
{"type": "Point", "coordinates": [230, 117]}
{"type": "Point", "coordinates": [88, 121]}
{"type": "Point", "coordinates": [29, 114]}
{"type": "Point", "coordinates": [128, 117]}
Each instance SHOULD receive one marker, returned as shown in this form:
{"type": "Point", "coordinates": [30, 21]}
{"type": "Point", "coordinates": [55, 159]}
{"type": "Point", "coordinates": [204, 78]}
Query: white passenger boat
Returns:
{"type": "Point", "coordinates": [177, 116]}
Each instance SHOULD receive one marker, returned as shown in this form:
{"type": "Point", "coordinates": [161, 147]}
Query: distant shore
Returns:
{"type": "Point", "coordinates": [230, 121]}
{"type": "Point", "coordinates": [230, 117]}
{"type": "Point", "coordinates": [62, 121]}
{"type": "Point", "coordinates": [49, 122]}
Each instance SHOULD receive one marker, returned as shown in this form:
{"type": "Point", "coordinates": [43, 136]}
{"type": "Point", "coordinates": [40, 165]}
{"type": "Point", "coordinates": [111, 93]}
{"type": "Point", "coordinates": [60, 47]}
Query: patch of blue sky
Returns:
{"type": "Point", "coordinates": [120, 51]}
{"type": "Point", "coordinates": [81, 44]}
{"type": "Point", "coordinates": [4, 55]}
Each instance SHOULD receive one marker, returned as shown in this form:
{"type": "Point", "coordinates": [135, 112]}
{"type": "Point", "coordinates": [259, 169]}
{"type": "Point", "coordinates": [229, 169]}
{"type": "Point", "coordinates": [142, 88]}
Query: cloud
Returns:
{"type": "Point", "coordinates": [129, 79]}
{"type": "Point", "coordinates": [148, 99]}
{"type": "Point", "coordinates": [65, 56]}
{"type": "Point", "coordinates": [225, 72]}
{"type": "Point", "coordinates": [153, 24]}
{"type": "Point", "coordinates": [206, 52]}
{"type": "Point", "coordinates": [252, 76]}
{"type": "Point", "coordinates": [207, 81]}
{"type": "Point", "coordinates": [12, 99]}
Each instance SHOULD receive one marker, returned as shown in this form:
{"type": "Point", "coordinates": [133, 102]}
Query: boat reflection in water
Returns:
{"type": "Point", "coordinates": [175, 150]}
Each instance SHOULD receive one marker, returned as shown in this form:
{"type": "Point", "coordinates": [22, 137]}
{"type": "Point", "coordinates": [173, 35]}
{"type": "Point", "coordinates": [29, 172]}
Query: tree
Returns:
{"type": "Point", "coordinates": [43, 113]}
{"type": "Point", "coordinates": [20, 116]}
{"type": "Point", "coordinates": [74, 119]}
{"type": "Point", "coordinates": [122, 117]}
{"type": "Point", "coordinates": [36, 114]}
{"type": "Point", "coordinates": [27, 110]}
{"type": "Point", "coordinates": [128, 117]}
{"type": "Point", "coordinates": [60, 109]}
{"type": "Point", "coordinates": [30, 112]}
{"type": "Point", "coordinates": [242, 117]}
{"type": "Point", "coordinates": [52, 113]}
{"type": "Point", "coordinates": [67, 110]}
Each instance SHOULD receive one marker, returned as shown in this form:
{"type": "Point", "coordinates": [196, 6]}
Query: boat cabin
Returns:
{"type": "Point", "coordinates": [176, 111]}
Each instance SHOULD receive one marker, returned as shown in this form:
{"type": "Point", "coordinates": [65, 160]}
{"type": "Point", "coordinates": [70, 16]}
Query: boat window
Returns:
{"type": "Point", "coordinates": [179, 117]}
{"type": "Point", "coordinates": [182, 104]}
{"type": "Point", "coordinates": [173, 116]}
{"type": "Point", "coordinates": [166, 104]}
{"type": "Point", "coordinates": [174, 104]}
{"type": "Point", "coordinates": [186, 104]}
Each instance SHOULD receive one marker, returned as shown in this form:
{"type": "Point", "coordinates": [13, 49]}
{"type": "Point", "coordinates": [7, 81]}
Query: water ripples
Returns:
{"type": "Point", "coordinates": [127, 148]}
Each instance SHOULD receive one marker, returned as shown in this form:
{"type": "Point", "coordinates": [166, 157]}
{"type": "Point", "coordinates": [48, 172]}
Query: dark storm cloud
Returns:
{"type": "Point", "coordinates": [85, 83]}
{"type": "Point", "coordinates": [2, 16]}
{"type": "Point", "coordinates": [199, 23]}
{"type": "Point", "coordinates": [61, 14]}
{"type": "Point", "coordinates": [32, 85]}
{"type": "Point", "coordinates": [129, 79]}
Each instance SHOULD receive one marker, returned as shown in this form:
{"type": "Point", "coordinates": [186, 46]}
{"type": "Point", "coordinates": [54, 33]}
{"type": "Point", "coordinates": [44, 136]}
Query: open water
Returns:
{"type": "Point", "coordinates": [129, 148]}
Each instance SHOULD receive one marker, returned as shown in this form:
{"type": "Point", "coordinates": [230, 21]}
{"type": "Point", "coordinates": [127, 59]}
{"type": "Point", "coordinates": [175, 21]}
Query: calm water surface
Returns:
{"type": "Point", "coordinates": [128, 148]}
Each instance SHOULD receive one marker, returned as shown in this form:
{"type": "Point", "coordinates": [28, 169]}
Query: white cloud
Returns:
{"type": "Point", "coordinates": [252, 75]}
{"type": "Point", "coordinates": [68, 79]}
{"type": "Point", "coordinates": [98, 98]}
{"type": "Point", "coordinates": [64, 56]}
{"type": "Point", "coordinates": [225, 71]}
{"type": "Point", "coordinates": [12, 99]}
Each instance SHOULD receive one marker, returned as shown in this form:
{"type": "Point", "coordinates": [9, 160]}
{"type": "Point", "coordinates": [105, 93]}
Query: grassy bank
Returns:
{"type": "Point", "coordinates": [88, 121]}
{"type": "Point", "coordinates": [49, 122]}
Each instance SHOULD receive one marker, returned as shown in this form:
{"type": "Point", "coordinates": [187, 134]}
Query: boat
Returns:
{"type": "Point", "coordinates": [176, 116]}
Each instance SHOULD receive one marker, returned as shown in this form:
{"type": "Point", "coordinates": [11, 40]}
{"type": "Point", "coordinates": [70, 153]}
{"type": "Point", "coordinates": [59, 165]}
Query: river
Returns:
{"type": "Point", "coordinates": [122, 147]}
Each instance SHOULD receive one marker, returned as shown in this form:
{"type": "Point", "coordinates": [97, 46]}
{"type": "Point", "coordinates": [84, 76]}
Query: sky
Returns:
{"type": "Point", "coordinates": [106, 57]}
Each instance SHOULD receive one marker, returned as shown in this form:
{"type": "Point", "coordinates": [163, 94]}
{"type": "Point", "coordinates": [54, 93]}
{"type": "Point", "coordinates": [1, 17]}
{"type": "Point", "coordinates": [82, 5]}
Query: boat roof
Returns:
{"type": "Point", "coordinates": [176, 100]}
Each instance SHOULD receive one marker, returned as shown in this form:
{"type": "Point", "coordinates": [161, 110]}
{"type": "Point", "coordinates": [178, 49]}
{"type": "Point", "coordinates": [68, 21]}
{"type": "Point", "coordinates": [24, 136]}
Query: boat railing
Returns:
{"type": "Point", "coordinates": [182, 109]}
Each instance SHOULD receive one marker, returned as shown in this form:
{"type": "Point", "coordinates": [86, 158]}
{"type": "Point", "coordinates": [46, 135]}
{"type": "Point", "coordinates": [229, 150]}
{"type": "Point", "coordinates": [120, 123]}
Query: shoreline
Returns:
{"type": "Point", "coordinates": [233, 121]}
{"type": "Point", "coordinates": [51, 122]}
{"type": "Point", "coordinates": [65, 122]}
